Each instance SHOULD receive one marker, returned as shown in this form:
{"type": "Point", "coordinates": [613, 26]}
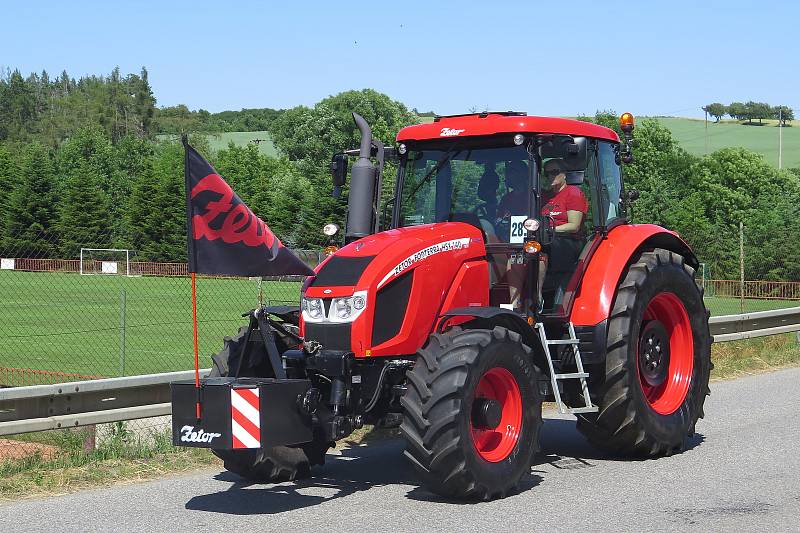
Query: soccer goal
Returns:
{"type": "Point", "coordinates": [106, 261]}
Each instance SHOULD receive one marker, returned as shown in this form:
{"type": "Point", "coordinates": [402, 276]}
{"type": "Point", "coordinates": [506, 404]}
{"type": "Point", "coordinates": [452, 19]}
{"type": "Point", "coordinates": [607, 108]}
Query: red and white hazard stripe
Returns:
{"type": "Point", "coordinates": [245, 418]}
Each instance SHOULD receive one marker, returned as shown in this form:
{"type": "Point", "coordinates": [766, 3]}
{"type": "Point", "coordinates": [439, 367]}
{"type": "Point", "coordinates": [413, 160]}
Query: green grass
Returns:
{"type": "Point", "coordinates": [691, 135]}
{"type": "Point", "coordinates": [123, 456]}
{"type": "Point", "coordinates": [732, 306]}
{"type": "Point", "coordinates": [60, 322]}
{"type": "Point", "coordinates": [241, 138]}
{"type": "Point", "coordinates": [737, 358]}
{"type": "Point", "coordinates": [64, 322]}
{"type": "Point", "coordinates": [218, 141]}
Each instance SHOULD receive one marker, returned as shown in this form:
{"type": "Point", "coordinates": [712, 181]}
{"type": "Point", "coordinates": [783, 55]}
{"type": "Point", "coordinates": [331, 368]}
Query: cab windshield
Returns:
{"type": "Point", "coordinates": [483, 186]}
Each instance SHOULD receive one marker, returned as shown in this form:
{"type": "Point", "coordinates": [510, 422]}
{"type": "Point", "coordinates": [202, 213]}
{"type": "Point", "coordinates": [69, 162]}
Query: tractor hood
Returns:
{"type": "Point", "coordinates": [376, 260]}
{"type": "Point", "coordinates": [402, 278]}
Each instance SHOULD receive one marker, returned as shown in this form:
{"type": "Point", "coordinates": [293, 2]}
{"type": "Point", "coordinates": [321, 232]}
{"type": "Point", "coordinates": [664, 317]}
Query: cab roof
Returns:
{"type": "Point", "coordinates": [491, 123]}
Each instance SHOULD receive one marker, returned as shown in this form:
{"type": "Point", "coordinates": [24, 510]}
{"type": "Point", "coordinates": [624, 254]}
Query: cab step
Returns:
{"type": "Point", "coordinates": [581, 374]}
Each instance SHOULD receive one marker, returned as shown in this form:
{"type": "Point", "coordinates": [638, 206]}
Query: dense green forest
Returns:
{"type": "Point", "coordinates": [82, 165]}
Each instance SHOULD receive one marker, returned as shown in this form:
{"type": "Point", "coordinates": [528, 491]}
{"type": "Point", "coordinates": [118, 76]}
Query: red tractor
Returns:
{"type": "Point", "coordinates": [502, 273]}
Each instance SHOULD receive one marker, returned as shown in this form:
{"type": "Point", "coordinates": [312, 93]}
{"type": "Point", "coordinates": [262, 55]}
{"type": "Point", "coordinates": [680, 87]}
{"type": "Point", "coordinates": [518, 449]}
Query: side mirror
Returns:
{"type": "Point", "coordinates": [339, 169]}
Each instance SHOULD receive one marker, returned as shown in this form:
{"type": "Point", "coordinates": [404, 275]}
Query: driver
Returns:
{"type": "Point", "coordinates": [567, 206]}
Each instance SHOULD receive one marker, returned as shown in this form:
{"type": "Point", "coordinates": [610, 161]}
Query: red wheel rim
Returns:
{"type": "Point", "coordinates": [496, 444]}
{"type": "Point", "coordinates": [666, 397]}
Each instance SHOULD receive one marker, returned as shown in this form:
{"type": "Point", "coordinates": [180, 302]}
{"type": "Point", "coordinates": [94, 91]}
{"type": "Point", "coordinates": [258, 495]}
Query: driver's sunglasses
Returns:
{"type": "Point", "coordinates": [552, 173]}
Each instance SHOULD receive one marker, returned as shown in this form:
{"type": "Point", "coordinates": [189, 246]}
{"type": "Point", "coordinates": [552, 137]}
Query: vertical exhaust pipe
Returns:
{"type": "Point", "coordinates": [360, 208]}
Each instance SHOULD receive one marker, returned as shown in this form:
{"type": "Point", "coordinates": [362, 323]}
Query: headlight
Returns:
{"type": "Point", "coordinates": [341, 310]}
{"type": "Point", "coordinates": [312, 310]}
{"type": "Point", "coordinates": [348, 309]}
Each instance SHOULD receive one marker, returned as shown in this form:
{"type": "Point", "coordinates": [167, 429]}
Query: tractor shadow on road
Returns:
{"type": "Point", "coordinates": [565, 448]}
{"type": "Point", "coordinates": [360, 468]}
{"type": "Point", "coordinates": [357, 469]}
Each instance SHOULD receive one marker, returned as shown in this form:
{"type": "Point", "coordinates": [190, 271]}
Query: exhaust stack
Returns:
{"type": "Point", "coordinates": [360, 205]}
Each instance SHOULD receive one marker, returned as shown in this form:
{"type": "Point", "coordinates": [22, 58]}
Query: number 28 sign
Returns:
{"type": "Point", "coordinates": [517, 229]}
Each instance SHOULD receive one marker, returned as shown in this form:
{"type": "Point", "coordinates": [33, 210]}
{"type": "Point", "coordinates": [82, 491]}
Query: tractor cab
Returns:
{"type": "Point", "coordinates": [542, 191]}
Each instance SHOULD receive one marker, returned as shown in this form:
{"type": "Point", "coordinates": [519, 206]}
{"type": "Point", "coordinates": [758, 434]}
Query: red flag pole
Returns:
{"type": "Point", "coordinates": [196, 349]}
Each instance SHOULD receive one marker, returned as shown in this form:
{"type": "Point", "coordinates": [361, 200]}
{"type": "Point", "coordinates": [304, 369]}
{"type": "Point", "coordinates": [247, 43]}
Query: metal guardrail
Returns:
{"type": "Point", "coordinates": [757, 324]}
{"type": "Point", "coordinates": [82, 403]}
{"type": "Point", "coordinates": [46, 407]}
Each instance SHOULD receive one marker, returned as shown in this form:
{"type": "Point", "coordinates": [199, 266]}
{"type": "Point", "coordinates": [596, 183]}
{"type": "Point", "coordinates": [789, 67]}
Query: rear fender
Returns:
{"type": "Point", "coordinates": [610, 262]}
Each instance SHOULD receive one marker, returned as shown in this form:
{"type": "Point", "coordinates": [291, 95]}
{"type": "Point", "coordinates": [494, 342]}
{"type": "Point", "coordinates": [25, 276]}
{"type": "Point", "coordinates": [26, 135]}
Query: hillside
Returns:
{"type": "Point", "coordinates": [690, 133]}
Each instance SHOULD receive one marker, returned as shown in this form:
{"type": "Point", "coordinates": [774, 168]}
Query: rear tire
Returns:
{"type": "Point", "coordinates": [658, 361]}
{"type": "Point", "coordinates": [276, 464]}
{"type": "Point", "coordinates": [472, 413]}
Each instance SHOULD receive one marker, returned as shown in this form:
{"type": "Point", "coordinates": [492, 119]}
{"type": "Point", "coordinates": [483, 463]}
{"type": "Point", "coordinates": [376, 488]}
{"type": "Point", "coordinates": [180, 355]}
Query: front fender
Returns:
{"type": "Point", "coordinates": [611, 260]}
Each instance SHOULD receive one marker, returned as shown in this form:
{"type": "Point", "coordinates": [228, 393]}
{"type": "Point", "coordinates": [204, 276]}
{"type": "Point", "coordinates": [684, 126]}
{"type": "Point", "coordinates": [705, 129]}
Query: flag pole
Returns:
{"type": "Point", "coordinates": [196, 349]}
{"type": "Point", "coordinates": [192, 268]}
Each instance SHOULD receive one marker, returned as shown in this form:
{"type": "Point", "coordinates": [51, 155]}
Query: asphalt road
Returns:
{"type": "Point", "coordinates": [741, 472]}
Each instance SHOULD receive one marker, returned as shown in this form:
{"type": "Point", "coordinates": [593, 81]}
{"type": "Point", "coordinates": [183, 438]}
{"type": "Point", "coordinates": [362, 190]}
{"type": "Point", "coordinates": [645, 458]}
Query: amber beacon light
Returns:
{"type": "Point", "coordinates": [626, 122]}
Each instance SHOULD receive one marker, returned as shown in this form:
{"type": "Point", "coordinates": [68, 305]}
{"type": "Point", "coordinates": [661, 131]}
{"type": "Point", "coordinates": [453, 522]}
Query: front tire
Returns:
{"type": "Point", "coordinates": [271, 465]}
{"type": "Point", "coordinates": [658, 361]}
{"type": "Point", "coordinates": [472, 413]}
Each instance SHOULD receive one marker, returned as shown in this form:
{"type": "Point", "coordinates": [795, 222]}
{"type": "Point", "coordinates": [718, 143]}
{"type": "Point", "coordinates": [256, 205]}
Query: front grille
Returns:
{"type": "Point", "coordinates": [331, 336]}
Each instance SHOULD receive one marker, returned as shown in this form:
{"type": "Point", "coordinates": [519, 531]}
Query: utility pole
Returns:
{"type": "Point", "coordinates": [741, 267]}
{"type": "Point", "coordinates": [704, 109]}
{"type": "Point", "coordinates": [780, 137]}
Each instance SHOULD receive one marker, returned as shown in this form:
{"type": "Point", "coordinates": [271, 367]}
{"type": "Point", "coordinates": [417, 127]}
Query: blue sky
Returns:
{"type": "Point", "coordinates": [546, 58]}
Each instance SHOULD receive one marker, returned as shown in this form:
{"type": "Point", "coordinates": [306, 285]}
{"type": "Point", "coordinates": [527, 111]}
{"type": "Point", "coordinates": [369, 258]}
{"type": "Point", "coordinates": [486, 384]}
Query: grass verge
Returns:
{"type": "Point", "coordinates": [122, 457]}
{"type": "Point", "coordinates": [752, 356]}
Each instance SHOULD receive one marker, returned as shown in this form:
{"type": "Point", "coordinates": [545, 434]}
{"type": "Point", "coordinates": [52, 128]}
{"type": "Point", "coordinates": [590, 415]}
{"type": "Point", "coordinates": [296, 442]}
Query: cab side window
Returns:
{"type": "Point", "coordinates": [610, 182]}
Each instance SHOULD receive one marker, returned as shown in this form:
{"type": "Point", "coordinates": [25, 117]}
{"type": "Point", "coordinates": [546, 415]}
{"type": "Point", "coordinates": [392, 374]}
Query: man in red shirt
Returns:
{"type": "Point", "coordinates": [567, 205]}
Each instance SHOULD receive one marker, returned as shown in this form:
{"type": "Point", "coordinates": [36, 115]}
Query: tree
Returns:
{"type": "Point", "coordinates": [84, 214]}
{"type": "Point", "coordinates": [31, 214]}
{"type": "Point", "coordinates": [309, 136]}
{"type": "Point", "coordinates": [737, 110]}
{"type": "Point", "coordinates": [758, 110]}
{"type": "Point", "coordinates": [716, 110]}
{"type": "Point", "coordinates": [244, 168]}
{"type": "Point", "coordinates": [8, 182]}
{"type": "Point", "coordinates": [17, 108]}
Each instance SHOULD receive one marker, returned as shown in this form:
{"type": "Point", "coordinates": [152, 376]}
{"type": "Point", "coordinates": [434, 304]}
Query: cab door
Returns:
{"type": "Point", "coordinates": [567, 255]}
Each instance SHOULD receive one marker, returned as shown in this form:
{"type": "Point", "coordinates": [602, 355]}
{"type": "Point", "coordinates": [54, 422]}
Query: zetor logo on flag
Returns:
{"type": "Point", "coordinates": [225, 236]}
{"type": "Point", "coordinates": [245, 418]}
{"type": "Point", "coordinates": [239, 224]}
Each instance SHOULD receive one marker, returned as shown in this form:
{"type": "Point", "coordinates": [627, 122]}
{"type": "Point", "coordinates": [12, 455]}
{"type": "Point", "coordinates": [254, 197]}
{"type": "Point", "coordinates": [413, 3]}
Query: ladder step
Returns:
{"type": "Point", "coordinates": [579, 410]}
{"type": "Point", "coordinates": [564, 341]}
{"type": "Point", "coordinates": [573, 375]}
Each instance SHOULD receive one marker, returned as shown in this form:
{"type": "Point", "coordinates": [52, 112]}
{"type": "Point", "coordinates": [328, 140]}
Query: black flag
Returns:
{"type": "Point", "coordinates": [225, 236]}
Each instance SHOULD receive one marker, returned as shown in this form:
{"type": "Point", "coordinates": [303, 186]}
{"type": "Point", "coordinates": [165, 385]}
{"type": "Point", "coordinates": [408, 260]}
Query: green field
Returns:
{"type": "Point", "coordinates": [62, 322]}
{"type": "Point", "coordinates": [241, 138]}
{"type": "Point", "coordinates": [691, 134]}
{"type": "Point", "coordinates": [218, 141]}
{"type": "Point", "coordinates": [731, 306]}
